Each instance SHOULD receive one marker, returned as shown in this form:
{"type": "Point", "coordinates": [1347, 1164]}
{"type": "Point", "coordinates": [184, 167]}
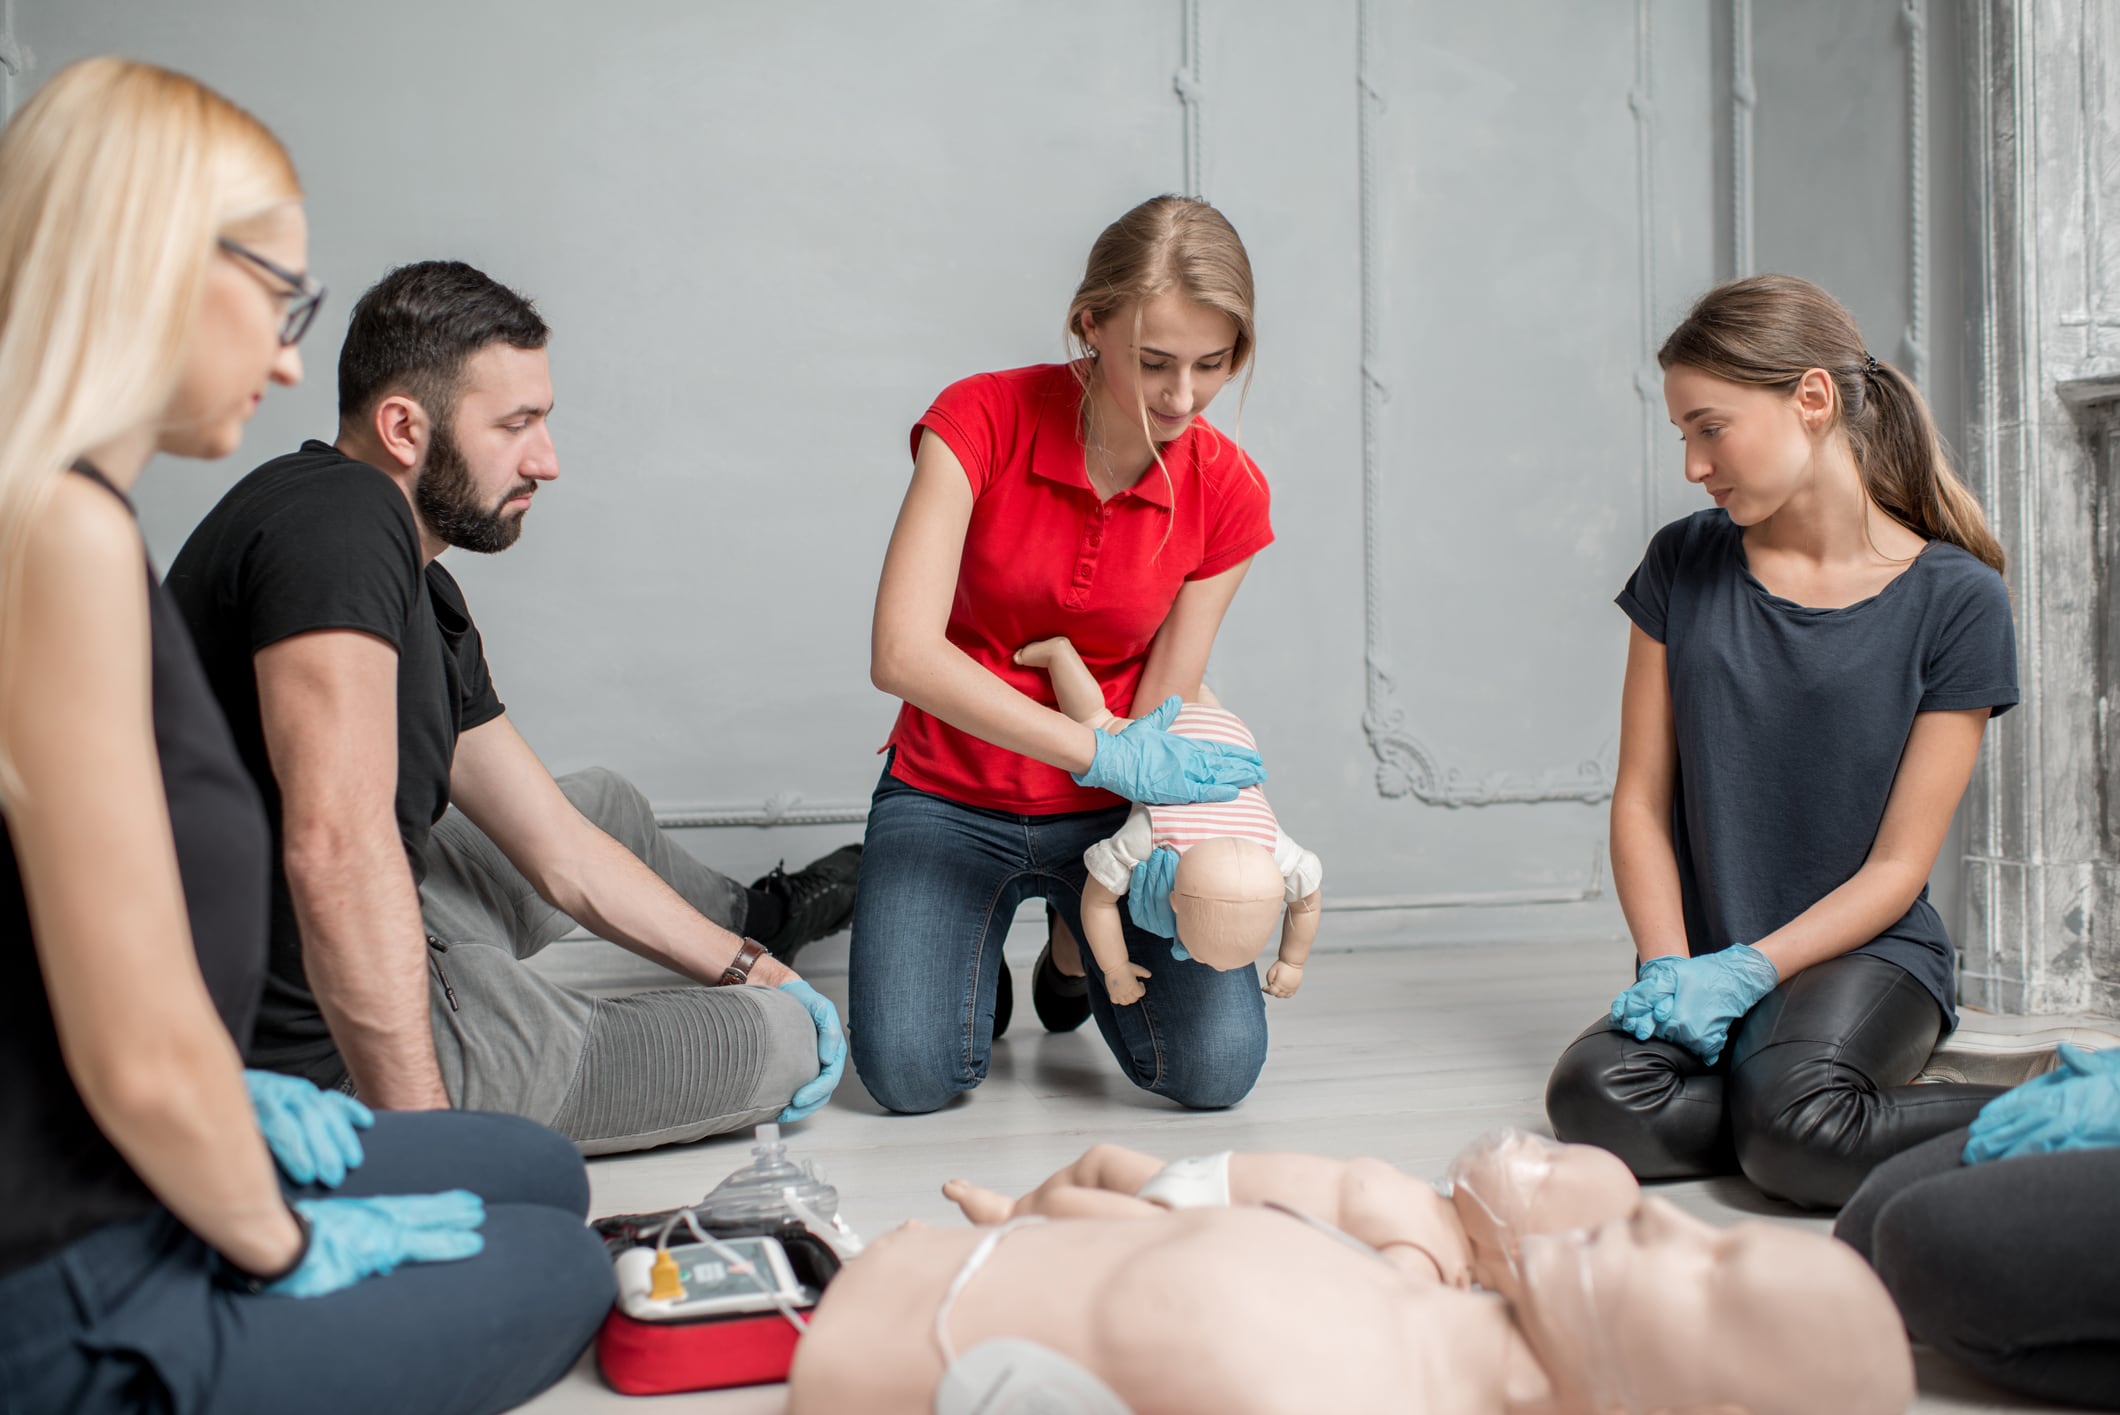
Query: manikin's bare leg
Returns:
{"type": "Point", "coordinates": [1299, 930]}
{"type": "Point", "coordinates": [1107, 944]}
{"type": "Point", "coordinates": [1074, 687]}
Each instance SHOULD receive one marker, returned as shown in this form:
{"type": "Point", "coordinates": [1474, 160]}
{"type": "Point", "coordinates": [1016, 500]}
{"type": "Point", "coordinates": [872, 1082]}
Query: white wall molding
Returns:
{"type": "Point", "coordinates": [14, 59]}
{"type": "Point", "coordinates": [1744, 103]}
{"type": "Point", "coordinates": [1406, 765]}
{"type": "Point", "coordinates": [783, 810]}
{"type": "Point", "coordinates": [1914, 346]}
{"type": "Point", "coordinates": [1192, 92]}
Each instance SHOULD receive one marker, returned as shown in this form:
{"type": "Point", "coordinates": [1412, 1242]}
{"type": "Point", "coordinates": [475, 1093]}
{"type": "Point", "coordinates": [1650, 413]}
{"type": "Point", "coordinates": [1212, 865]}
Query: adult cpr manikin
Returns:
{"type": "Point", "coordinates": [1250, 1309]}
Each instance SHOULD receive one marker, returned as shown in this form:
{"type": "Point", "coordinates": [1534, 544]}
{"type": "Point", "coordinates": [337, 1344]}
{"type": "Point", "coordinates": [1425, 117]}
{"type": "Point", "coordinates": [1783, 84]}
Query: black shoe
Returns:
{"type": "Point", "coordinates": [818, 899]}
{"type": "Point", "coordinates": [1004, 1001]}
{"type": "Point", "coordinates": [1062, 1003]}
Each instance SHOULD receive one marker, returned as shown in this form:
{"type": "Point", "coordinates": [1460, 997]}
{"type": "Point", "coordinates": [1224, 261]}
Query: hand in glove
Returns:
{"type": "Point", "coordinates": [1148, 764]}
{"type": "Point", "coordinates": [1710, 992]}
{"type": "Point", "coordinates": [312, 1133]}
{"type": "Point", "coordinates": [2075, 1107]}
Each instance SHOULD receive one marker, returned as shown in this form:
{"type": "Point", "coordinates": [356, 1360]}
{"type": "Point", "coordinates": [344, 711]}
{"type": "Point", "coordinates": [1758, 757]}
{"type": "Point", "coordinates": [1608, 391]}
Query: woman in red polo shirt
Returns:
{"type": "Point", "coordinates": [1088, 499]}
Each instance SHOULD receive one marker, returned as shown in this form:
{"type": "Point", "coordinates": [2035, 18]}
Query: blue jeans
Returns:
{"type": "Point", "coordinates": [940, 882]}
{"type": "Point", "coordinates": [132, 1318]}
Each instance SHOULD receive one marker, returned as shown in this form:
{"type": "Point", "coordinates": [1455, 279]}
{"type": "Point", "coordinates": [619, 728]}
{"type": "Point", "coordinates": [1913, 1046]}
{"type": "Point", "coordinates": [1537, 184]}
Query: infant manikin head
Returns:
{"type": "Point", "coordinates": [1227, 895]}
{"type": "Point", "coordinates": [1512, 1183]}
{"type": "Point", "coordinates": [1662, 1312]}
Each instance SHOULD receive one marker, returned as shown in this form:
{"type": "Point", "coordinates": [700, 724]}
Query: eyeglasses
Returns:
{"type": "Point", "coordinates": [305, 295]}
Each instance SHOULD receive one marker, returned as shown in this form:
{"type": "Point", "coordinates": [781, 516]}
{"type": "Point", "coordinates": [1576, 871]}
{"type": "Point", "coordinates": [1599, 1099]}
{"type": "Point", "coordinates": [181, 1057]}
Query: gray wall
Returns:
{"type": "Point", "coordinates": [766, 235]}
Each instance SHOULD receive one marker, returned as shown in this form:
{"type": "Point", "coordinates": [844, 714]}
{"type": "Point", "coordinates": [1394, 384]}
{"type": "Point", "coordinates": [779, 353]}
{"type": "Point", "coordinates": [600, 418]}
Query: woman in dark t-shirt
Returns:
{"type": "Point", "coordinates": [150, 1256]}
{"type": "Point", "coordinates": [1812, 664]}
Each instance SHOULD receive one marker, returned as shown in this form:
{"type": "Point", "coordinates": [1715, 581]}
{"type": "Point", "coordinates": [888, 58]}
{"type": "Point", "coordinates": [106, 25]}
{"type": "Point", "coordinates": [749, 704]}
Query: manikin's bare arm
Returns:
{"type": "Point", "coordinates": [1401, 1217]}
{"type": "Point", "coordinates": [1299, 930]}
{"type": "Point", "coordinates": [1074, 686]}
{"type": "Point", "coordinates": [1107, 944]}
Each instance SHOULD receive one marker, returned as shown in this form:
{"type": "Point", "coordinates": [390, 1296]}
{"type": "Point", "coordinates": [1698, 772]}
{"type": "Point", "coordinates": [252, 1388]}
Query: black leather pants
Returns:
{"type": "Point", "coordinates": [1809, 1096]}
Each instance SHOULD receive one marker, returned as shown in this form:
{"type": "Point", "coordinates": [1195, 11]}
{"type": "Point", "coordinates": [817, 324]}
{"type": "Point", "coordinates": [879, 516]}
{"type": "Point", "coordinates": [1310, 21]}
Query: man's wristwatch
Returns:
{"type": "Point", "coordinates": [739, 969]}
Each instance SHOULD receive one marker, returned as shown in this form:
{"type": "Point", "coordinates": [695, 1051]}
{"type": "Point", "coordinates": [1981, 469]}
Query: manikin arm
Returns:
{"type": "Point", "coordinates": [1107, 944]}
{"type": "Point", "coordinates": [1074, 687]}
{"type": "Point", "coordinates": [1299, 930]}
{"type": "Point", "coordinates": [1101, 1184]}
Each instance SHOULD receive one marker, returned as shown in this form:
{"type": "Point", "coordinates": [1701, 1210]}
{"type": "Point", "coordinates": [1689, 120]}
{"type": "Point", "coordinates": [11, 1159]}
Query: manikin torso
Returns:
{"type": "Point", "coordinates": [1188, 1311]}
{"type": "Point", "coordinates": [1634, 1307]}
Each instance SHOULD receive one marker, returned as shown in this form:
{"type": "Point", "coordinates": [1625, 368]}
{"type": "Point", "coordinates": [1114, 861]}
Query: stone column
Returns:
{"type": "Point", "coordinates": [2042, 864]}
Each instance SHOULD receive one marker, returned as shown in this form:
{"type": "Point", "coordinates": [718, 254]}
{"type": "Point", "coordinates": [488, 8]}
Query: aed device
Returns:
{"type": "Point", "coordinates": [709, 1280]}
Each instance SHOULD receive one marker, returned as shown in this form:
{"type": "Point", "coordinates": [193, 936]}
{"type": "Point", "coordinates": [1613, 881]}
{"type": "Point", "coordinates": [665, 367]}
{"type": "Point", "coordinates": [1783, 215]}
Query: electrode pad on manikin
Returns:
{"type": "Point", "coordinates": [1009, 1375]}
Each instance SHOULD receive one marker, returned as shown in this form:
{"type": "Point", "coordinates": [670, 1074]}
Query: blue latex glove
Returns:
{"type": "Point", "coordinates": [1710, 992]}
{"type": "Point", "coordinates": [1145, 763]}
{"type": "Point", "coordinates": [312, 1132]}
{"type": "Point", "coordinates": [350, 1239]}
{"type": "Point", "coordinates": [831, 1053]}
{"type": "Point", "coordinates": [2075, 1107]}
{"type": "Point", "coordinates": [1148, 893]}
{"type": "Point", "coordinates": [1634, 1010]}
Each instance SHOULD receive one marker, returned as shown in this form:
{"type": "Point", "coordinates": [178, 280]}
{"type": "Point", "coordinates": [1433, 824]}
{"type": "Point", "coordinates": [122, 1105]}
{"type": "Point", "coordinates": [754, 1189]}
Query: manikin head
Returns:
{"type": "Point", "coordinates": [1163, 316]}
{"type": "Point", "coordinates": [443, 382]}
{"type": "Point", "coordinates": [1510, 1184]}
{"type": "Point", "coordinates": [1227, 894]}
{"type": "Point", "coordinates": [1661, 1312]}
{"type": "Point", "coordinates": [1769, 384]}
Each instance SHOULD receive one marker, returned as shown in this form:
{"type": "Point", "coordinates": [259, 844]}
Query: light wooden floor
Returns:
{"type": "Point", "coordinates": [1402, 1053]}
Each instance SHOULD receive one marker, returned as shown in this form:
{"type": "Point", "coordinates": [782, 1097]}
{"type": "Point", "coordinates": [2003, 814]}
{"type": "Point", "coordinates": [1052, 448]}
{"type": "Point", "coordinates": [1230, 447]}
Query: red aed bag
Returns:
{"type": "Point", "coordinates": [680, 1342]}
{"type": "Point", "coordinates": [713, 1353]}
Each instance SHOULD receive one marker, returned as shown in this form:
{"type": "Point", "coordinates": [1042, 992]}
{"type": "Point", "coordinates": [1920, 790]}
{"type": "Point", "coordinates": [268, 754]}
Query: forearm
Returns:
{"type": "Point", "coordinates": [1874, 898]}
{"type": "Point", "coordinates": [174, 1105]}
{"type": "Point", "coordinates": [364, 949]}
{"type": "Point", "coordinates": [1645, 872]}
{"type": "Point", "coordinates": [1101, 928]}
{"type": "Point", "coordinates": [607, 889]}
{"type": "Point", "coordinates": [1299, 929]}
{"type": "Point", "coordinates": [942, 680]}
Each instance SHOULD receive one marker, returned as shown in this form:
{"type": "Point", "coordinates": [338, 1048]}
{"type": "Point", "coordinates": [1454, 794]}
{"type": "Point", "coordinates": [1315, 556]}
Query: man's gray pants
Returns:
{"type": "Point", "coordinates": [621, 1073]}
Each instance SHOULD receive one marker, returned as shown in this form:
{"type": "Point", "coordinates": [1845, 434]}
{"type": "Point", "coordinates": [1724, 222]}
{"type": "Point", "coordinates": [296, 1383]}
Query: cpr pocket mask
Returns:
{"type": "Point", "coordinates": [725, 1304]}
{"type": "Point", "coordinates": [1498, 1173]}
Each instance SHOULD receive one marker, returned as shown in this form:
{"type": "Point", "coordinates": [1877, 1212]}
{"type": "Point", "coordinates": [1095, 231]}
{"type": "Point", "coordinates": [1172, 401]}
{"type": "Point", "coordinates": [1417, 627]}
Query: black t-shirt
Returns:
{"type": "Point", "coordinates": [313, 541]}
{"type": "Point", "coordinates": [1791, 722]}
{"type": "Point", "coordinates": [59, 1177]}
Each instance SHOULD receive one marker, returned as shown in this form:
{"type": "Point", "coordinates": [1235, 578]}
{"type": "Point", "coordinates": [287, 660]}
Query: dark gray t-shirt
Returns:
{"type": "Point", "coordinates": [1791, 722]}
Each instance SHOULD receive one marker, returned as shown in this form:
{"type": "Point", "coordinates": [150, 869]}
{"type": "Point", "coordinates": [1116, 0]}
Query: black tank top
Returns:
{"type": "Point", "coordinates": [59, 1177]}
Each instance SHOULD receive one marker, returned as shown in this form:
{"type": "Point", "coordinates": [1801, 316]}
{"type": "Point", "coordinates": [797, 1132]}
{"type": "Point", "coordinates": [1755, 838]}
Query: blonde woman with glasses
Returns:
{"type": "Point", "coordinates": [175, 1232]}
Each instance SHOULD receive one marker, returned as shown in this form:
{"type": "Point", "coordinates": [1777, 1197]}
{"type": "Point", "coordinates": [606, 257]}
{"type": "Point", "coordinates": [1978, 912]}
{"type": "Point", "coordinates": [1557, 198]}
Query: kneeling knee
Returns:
{"type": "Point", "coordinates": [1582, 1099]}
{"type": "Point", "coordinates": [1212, 1082]}
{"type": "Point", "coordinates": [1786, 1144]}
{"type": "Point", "coordinates": [906, 1077]}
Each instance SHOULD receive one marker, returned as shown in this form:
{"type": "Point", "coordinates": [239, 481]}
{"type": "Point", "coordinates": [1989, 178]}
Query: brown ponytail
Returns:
{"type": "Point", "coordinates": [1770, 330]}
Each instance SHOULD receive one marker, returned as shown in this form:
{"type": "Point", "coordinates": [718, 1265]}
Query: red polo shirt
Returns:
{"type": "Point", "coordinates": [1042, 556]}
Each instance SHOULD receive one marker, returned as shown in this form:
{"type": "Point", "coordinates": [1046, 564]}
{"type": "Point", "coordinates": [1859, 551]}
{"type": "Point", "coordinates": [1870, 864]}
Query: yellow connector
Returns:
{"type": "Point", "coordinates": [663, 1284]}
